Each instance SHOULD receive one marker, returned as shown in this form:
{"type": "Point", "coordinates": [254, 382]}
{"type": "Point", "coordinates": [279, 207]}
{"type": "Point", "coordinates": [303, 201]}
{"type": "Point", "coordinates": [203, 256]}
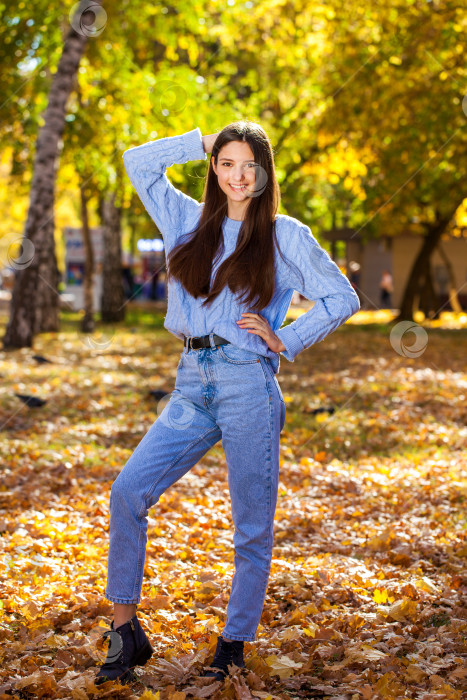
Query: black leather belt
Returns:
{"type": "Point", "coordinates": [202, 341]}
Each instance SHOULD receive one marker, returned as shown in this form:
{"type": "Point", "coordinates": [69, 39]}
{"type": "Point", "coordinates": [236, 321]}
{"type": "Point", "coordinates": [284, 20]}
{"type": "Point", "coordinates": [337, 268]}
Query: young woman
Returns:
{"type": "Point", "coordinates": [233, 265]}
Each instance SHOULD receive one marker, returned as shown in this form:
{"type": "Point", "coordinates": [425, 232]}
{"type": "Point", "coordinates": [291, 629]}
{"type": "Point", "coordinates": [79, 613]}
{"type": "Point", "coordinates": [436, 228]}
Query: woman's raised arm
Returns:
{"type": "Point", "coordinates": [208, 142]}
{"type": "Point", "coordinates": [173, 211]}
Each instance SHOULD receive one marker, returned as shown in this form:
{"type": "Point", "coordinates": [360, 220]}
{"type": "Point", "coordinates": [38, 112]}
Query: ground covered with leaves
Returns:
{"type": "Point", "coordinates": [367, 594]}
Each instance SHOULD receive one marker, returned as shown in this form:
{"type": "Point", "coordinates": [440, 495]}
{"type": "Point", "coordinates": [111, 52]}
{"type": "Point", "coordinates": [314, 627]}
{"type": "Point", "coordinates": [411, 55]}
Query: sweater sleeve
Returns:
{"type": "Point", "coordinates": [172, 211]}
{"type": "Point", "coordinates": [323, 282]}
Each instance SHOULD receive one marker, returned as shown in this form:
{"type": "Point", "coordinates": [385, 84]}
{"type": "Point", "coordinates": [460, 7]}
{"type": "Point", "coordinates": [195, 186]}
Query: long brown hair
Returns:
{"type": "Point", "coordinates": [250, 268]}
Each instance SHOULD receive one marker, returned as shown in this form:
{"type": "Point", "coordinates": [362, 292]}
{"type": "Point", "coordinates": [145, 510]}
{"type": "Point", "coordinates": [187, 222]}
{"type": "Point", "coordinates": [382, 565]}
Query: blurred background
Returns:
{"type": "Point", "coordinates": [364, 105]}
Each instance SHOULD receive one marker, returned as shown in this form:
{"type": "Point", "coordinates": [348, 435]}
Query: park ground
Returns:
{"type": "Point", "coordinates": [368, 583]}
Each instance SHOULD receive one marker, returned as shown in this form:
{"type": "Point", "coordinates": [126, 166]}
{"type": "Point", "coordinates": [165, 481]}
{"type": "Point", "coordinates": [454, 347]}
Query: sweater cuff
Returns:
{"type": "Point", "coordinates": [193, 145]}
{"type": "Point", "coordinates": [293, 344]}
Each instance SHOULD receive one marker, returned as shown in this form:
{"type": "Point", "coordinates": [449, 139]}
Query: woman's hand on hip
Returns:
{"type": "Point", "coordinates": [254, 323]}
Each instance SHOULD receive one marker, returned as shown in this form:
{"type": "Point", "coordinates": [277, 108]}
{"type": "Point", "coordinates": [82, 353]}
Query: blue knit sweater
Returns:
{"type": "Point", "coordinates": [176, 213]}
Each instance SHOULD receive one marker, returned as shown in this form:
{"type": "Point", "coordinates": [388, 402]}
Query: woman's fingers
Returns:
{"type": "Point", "coordinates": [252, 318]}
{"type": "Point", "coordinates": [254, 323]}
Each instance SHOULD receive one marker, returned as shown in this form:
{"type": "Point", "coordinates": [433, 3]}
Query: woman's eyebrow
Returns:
{"type": "Point", "coordinates": [243, 161]}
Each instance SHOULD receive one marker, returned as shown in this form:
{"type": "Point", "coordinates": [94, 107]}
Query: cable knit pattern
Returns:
{"type": "Point", "coordinates": [175, 214]}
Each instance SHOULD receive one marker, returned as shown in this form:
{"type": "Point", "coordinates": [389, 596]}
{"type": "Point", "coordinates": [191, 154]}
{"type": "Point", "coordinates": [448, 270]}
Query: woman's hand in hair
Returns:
{"type": "Point", "coordinates": [259, 326]}
{"type": "Point", "coordinates": [208, 142]}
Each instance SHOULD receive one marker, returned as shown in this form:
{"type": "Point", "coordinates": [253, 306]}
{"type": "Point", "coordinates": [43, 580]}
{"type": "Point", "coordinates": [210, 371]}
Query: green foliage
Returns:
{"type": "Point", "coordinates": [362, 102]}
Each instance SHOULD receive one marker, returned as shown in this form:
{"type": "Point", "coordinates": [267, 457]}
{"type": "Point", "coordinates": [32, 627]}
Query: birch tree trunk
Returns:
{"type": "Point", "coordinates": [47, 300]}
{"type": "Point", "coordinates": [35, 300]}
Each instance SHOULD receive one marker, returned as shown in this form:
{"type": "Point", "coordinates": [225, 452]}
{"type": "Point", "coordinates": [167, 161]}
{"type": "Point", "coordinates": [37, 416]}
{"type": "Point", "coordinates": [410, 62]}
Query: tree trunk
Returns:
{"type": "Point", "coordinates": [47, 301]}
{"type": "Point", "coordinates": [453, 297]}
{"type": "Point", "coordinates": [87, 322]}
{"type": "Point", "coordinates": [35, 302]}
{"type": "Point", "coordinates": [112, 301]}
{"type": "Point", "coordinates": [418, 272]}
{"type": "Point", "coordinates": [429, 302]}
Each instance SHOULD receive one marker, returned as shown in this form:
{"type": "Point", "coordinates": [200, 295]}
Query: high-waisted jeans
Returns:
{"type": "Point", "coordinates": [221, 392]}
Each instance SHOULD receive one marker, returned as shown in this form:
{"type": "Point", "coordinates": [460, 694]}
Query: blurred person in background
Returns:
{"type": "Point", "coordinates": [386, 288]}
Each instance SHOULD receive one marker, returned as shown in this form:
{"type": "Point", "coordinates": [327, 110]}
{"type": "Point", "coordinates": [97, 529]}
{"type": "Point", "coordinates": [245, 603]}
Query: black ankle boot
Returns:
{"type": "Point", "coordinates": [129, 647]}
{"type": "Point", "coordinates": [227, 653]}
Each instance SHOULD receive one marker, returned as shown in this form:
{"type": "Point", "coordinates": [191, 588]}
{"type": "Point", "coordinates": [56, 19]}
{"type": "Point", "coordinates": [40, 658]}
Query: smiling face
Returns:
{"type": "Point", "coordinates": [236, 175]}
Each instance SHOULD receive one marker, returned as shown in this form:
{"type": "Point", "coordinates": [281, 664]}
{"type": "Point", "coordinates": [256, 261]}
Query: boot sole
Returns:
{"type": "Point", "coordinates": [220, 675]}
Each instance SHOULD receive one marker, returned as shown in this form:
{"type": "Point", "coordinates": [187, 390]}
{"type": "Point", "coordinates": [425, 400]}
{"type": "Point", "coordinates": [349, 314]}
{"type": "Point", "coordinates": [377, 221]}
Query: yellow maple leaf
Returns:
{"type": "Point", "coordinates": [426, 584]}
{"type": "Point", "coordinates": [149, 695]}
{"type": "Point", "coordinates": [402, 609]}
{"type": "Point", "coordinates": [282, 666]}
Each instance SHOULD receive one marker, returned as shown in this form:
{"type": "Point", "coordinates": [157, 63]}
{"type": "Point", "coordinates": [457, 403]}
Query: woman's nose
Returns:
{"type": "Point", "coordinates": [238, 174]}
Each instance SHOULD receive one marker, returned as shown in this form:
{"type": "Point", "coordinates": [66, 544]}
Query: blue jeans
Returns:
{"type": "Point", "coordinates": [220, 392]}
